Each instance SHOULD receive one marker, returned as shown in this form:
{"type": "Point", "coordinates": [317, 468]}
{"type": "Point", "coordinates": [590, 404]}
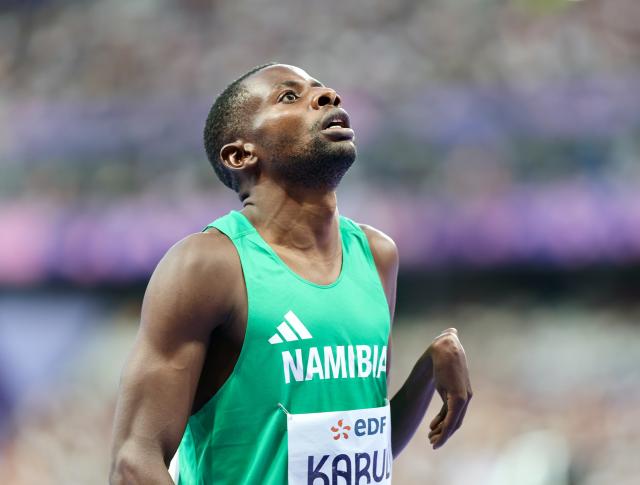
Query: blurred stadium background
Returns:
{"type": "Point", "coordinates": [499, 145]}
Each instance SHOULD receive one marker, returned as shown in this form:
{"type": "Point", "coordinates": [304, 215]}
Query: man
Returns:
{"type": "Point", "coordinates": [264, 344]}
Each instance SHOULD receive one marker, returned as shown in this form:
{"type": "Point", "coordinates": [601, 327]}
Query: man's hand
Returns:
{"type": "Point", "coordinates": [451, 378]}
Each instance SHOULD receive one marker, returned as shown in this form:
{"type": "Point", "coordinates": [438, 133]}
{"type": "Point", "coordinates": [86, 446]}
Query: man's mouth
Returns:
{"type": "Point", "coordinates": [337, 126]}
{"type": "Point", "coordinates": [337, 118]}
{"type": "Point", "coordinates": [337, 123]}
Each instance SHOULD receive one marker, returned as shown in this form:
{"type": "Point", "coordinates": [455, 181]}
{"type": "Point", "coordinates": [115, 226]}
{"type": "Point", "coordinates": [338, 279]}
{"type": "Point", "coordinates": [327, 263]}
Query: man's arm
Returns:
{"type": "Point", "coordinates": [187, 297]}
{"type": "Point", "coordinates": [443, 366]}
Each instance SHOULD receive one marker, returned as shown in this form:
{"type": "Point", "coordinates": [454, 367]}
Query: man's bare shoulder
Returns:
{"type": "Point", "coordinates": [383, 248]}
{"type": "Point", "coordinates": [385, 255]}
{"type": "Point", "coordinates": [203, 252]}
{"type": "Point", "coordinates": [201, 271]}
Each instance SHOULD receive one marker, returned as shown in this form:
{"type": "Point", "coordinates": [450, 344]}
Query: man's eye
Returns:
{"type": "Point", "coordinates": [289, 97]}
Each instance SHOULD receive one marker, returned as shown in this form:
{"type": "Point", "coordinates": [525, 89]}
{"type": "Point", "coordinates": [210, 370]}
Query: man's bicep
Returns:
{"type": "Point", "coordinates": [180, 309]}
{"type": "Point", "coordinates": [156, 392]}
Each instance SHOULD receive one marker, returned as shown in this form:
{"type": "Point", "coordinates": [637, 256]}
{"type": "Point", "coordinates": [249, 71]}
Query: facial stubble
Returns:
{"type": "Point", "coordinates": [318, 165]}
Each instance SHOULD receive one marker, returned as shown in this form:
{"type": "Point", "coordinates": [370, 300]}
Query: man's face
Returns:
{"type": "Point", "coordinates": [301, 134]}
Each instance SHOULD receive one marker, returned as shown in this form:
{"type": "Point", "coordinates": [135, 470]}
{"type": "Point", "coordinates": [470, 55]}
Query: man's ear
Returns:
{"type": "Point", "coordinates": [238, 155]}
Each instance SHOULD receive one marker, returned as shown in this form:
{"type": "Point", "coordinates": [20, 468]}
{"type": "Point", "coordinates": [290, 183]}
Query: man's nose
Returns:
{"type": "Point", "coordinates": [325, 96]}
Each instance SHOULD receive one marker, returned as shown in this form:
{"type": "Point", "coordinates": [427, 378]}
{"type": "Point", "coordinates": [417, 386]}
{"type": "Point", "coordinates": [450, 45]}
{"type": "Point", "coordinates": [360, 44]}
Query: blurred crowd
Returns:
{"type": "Point", "coordinates": [532, 90]}
{"type": "Point", "coordinates": [480, 107]}
{"type": "Point", "coordinates": [71, 49]}
{"type": "Point", "coordinates": [513, 125]}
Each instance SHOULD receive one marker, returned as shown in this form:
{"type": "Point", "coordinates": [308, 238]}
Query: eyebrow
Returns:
{"type": "Point", "coordinates": [290, 83]}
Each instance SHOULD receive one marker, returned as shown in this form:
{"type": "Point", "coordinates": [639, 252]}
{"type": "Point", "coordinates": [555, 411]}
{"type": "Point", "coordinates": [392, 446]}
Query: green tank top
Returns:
{"type": "Point", "coordinates": [308, 348]}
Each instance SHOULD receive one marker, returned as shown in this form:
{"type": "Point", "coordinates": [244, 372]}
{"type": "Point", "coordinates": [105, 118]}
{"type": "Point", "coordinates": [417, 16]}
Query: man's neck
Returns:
{"type": "Point", "coordinates": [300, 219]}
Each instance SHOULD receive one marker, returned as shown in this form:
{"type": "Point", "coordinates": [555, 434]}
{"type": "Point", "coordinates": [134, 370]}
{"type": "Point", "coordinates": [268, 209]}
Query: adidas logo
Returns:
{"type": "Point", "coordinates": [284, 330]}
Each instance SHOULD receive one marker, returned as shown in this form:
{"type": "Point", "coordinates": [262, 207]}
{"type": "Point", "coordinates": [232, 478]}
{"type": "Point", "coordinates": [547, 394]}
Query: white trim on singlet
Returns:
{"type": "Point", "coordinates": [174, 468]}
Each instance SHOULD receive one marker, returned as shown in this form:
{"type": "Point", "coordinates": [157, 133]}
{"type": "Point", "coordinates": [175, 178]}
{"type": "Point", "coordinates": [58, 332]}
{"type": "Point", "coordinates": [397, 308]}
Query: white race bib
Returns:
{"type": "Point", "coordinates": [341, 447]}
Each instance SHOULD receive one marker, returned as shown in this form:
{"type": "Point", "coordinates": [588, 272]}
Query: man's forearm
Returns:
{"type": "Point", "coordinates": [410, 403]}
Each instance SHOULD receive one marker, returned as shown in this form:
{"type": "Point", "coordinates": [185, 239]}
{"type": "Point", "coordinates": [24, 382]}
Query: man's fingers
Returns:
{"type": "Point", "coordinates": [439, 417]}
{"type": "Point", "coordinates": [455, 407]}
{"type": "Point", "coordinates": [434, 434]}
{"type": "Point", "coordinates": [437, 423]}
{"type": "Point", "coordinates": [437, 420]}
{"type": "Point", "coordinates": [442, 430]}
{"type": "Point", "coordinates": [436, 430]}
{"type": "Point", "coordinates": [443, 410]}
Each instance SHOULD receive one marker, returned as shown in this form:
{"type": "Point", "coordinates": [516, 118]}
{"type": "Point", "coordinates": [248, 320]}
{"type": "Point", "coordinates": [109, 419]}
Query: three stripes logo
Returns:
{"type": "Point", "coordinates": [286, 330]}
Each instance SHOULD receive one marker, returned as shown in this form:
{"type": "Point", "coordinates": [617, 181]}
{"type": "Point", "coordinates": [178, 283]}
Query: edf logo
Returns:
{"type": "Point", "coordinates": [369, 426]}
{"type": "Point", "coordinates": [362, 427]}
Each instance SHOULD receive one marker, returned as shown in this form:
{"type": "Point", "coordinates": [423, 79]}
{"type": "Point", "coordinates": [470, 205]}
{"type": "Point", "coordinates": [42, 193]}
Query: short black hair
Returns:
{"type": "Point", "coordinates": [225, 123]}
